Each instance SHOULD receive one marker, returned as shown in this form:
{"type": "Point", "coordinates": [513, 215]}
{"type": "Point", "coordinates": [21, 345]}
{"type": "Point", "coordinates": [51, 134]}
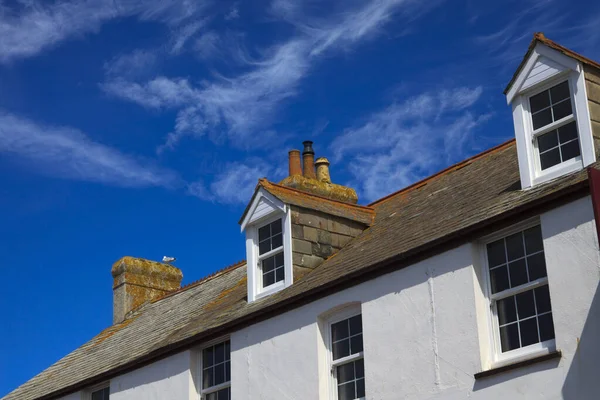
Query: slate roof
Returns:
{"type": "Point", "coordinates": [440, 211]}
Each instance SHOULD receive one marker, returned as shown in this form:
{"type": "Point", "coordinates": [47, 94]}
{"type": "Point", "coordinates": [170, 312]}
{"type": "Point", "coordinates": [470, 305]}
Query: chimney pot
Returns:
{"type": "Point", "coordinates": [308, 158]}
{"type": "Point", "coordinates": [137, 280]}
{"type": "Point", "coordinates": [294, 162]}
{"type": "Point", "coordinates": [322, 165]}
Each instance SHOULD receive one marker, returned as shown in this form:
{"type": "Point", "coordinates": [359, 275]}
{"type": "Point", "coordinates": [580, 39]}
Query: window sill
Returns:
{"type": "Point", "coordinates": [518, 364]}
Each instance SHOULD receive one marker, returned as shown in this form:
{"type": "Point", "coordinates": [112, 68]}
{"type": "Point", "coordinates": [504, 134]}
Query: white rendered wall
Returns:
{"type": "Point", "coordinates": [170, 378]}
{"type": "Point", "coordinates": [422, 330]}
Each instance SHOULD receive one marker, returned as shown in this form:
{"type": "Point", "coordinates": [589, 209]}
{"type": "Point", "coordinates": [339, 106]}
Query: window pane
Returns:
{"type": "Point", "coordinates": [550, 158]}
{"type": "Point", "coordinates": [356, 325]}
{"type": "Point", "coordinates": [356, 344]}
{"type": "Point", "coordinates": [102, 394]}
{"type": "Point", "coordinates": [264, 233]}
{"type": "Point", "coordinates": [219, 373]}
{"type": "Point", "coordinates": [518, 272]}
{"type": "Point", "coordinates": [539, 101]}
{"type": "Point", "coordinates": [525, 304]}
{"type": "Point", "coordinates": [570, 150]}
{"type": "Point", "coordinates": [560, 92]}
{"type": "Point", "coordinates": [345, 373]}
{"type": "Point", "coordinates": [339, 330]}
{"type": "Point", "coordinates": [224, 394]}
{"type": "Point", "coordinates": [533, 239]}
{"type": "Point", "coordinates": [227, 371]}
{"type": "Point", "coordinates": [514, 246]}
{"type": "Point", "coordinates": [546, 327]}
{"type": "Point", "coordinates": [360, 388]}
{"type": "Point", "coordinates": [346, 391]}
{"type": "Point", "coordinates": [264, 246]}
{"type": "Point", "coordinates": [207, 357]}
{"type": "Point", "coordinates": [279, 259]}
{"type": "Point", "coordinates": [537, 266]}
{"type": "Point", "coordinates": [547, 141]}
{"type": "Point", "coordinates": [561, 110]}
{"type": "Point", "coordinates": [341, 349]}
{"type": "Point", "coordinates": [219, 353]}
{"type": "Point", "coordinates": [542, 118]}
{"type": "Point", "coordinates": [359, 367]}
{"type": "Point", "coordinates": [529, 332]}
{"type": "Point", "coordinates": [212, 396]}
{"type": "Point", "coordinates": [507, 312]}
{"type": "Point", "coordinates": [268, 278]}
{"type": "Point", "coordinates": [499, 279]}
{"type": "Point", "coordinates": [279, 274]}
{"type": "Point", "coordinates": [509, 337]}
{"type": "Point", "coordinates": [542, 299]}
{"type": "Point", "coordinates": [268, 264]}
{"type": "Point", "coordinates": [277, 241]}
{"type": "Point", "coordinates": [227, 350]}
{"type": "Point", "coordinates": [567, 132]}
{"type": "Point", "coordinates": [496, 253]}
{"type": "Point", "coordinates": [276, 227]}
{"type": "Point", "coordinates": [207, 378]}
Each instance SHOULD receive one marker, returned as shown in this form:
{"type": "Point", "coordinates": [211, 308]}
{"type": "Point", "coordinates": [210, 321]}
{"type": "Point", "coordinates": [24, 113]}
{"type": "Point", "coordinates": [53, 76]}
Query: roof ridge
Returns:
{"type": "Point", "coordinates": [262, 182]}
{"type": "Point", "coordinates": [201, 280]}
{"type": "Point", "coordinates": [445, 171]}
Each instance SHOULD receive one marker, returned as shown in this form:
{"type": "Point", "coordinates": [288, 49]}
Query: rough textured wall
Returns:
{"type": "Point", "coordinates": [170, 378]}
{"type": "Point", "coordinates": [421, 335]}
{"type": "Point", "coordinates": [316, 236]}
{"type": "Point", "coordinates": [592, 86]}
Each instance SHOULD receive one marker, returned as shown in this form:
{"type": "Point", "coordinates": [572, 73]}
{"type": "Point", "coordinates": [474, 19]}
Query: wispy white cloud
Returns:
{"type": "Point", "coordinates": [206, 45]}
{"type": "Point", "coordinates": [239, 107]}
{"type": "Point", "coordinates": [68, 153]}
{"type": "Point", "coordinates": [184, 34]}
{"type": "Point", "coordinates": [31, 27]}
{"type": "Point", "coordinates": [235, 183]}
{"type": "Point", "coordinates": [407, 141]}
{"type": "Point", "coordinates": [234, 12]}
{"type": "Point", "coordinates": [131, 65]}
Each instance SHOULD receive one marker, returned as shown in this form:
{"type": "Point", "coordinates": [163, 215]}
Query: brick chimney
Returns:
{"type": "Point", "coordinates": [318, 183]}
{"type": "Point", "coordinates": [137, 280]}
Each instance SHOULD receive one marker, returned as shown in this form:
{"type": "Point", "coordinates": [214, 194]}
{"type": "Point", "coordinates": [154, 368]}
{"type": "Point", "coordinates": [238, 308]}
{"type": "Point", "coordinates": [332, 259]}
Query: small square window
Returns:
{"type": "Point", "coordinates": [101, 394]}
{"type": "Point", "coordinates": [519, 290]}
{"type": "Point", "coordinates": [347, 360]}
{"type": "Point", "coordinates": [216, 371]}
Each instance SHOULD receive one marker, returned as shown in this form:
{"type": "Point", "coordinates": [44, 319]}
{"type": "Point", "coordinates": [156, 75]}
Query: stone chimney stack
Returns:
{"type": "Point", "coordinates": [308, 159]}
{"type": "Point", "coordinates": [323, 170]}
{"type": "Point", "coordinates": [137, 280]}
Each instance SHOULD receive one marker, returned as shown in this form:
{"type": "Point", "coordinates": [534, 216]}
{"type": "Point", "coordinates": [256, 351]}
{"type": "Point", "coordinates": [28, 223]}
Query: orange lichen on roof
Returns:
{"type": "Point", "coordinates": [202, 280]}
{"type": "Point", "coordinates": [443, 172]}
{"type": "Point", "coordinates": [364, 214]}
{"type": "Point", "coordinates": [222, 297]}
{"type": "Point", "coordinates": [539, 37]}
{"type": "Point", "coordinates": [111, 330]}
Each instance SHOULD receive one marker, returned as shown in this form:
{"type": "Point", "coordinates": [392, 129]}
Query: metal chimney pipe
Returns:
{"type": "Point", "coordinates": [308, 158]}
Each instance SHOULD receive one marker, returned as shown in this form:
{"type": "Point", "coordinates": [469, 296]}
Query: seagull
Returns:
{"type": "Point", "coordinates": [168, 260]}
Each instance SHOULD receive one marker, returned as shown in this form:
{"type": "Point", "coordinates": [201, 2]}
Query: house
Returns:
{"type": "Point", "coordinates": [480, 281]}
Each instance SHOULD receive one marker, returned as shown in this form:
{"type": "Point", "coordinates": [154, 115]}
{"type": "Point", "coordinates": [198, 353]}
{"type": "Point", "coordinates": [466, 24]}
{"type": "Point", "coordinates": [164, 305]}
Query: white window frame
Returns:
{"type": "Point", "coordinates": [343, 314]}
{"type": "Point", "coordinates": [528, 154]}
{"type": "Point", "coordinates": [87, 394]}
{"type": "Point", "coordinates": [200, 373]}
{"type": "Point", "coordinates": [256, 290]}
{"type": "Point", "coordinates": [497, 356]}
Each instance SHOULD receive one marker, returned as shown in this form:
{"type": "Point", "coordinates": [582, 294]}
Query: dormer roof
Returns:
{"type": "Point", "coordinates": [539, 37]}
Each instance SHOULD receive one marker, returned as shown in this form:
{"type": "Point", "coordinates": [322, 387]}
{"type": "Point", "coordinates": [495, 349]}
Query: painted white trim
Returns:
{"type": "Point", "coordinates": [497, 357]}
{"type": "Point", "coordinates": [255, 289]}
{"type": "Point", "coordinates": [261, 194]}
{"type": "Point", "coordinates": [87, 393]}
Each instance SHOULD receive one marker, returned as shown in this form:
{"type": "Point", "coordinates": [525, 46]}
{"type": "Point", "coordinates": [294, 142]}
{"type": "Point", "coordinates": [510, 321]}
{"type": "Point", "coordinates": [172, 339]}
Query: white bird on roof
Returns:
{"type": "Point", "coordinates": [168, 260]}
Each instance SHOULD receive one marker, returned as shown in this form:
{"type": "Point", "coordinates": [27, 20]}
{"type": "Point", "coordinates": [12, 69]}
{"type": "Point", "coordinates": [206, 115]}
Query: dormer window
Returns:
{"type": "Point", "coordinates": [268, 227]}
{"type": "Point", "coordinates": [554, 126]}
{"type": "Point", "coordinates": [270, 253]}
{"type": "Point", "coordinates": [551, 114]}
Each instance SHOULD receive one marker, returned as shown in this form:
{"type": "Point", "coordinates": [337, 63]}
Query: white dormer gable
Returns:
{"type": "Point", "coordinates": [551, 116]}
{"type": "Point", "coordinates": [268, 227]}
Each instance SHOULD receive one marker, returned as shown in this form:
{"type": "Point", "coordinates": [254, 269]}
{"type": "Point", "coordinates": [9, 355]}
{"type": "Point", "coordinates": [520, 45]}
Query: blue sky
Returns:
{"type": "Point", "coordinates": [140, 128]}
